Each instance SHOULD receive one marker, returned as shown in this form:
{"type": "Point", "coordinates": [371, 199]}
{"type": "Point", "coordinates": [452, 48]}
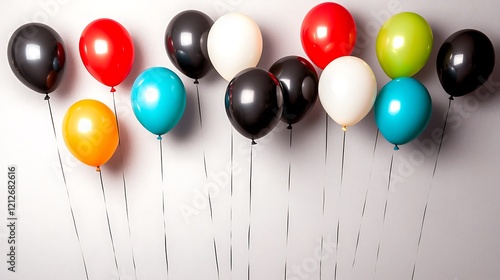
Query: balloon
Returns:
{"type": "Point", "coordinates": [404, 44]}
{"type": "Point", "coordinates": [465, 61]}
{"type": "Point", "coordinates": [299, 82]}
{"type": "Point", "coordinates": [347, 90]}
{"type": "Point", "coordinates": [402, 110]}
{"type": "Point", "coordinates": [90, 132]}
{"type": "Point", "coordinates": [254, 102]}
{"type": "Point", "coordinates": [186, 43]}
{"type": "Point", "coordinates": [107, 51]}
{"type": "Point", "coordinates": [158, 99]}
{"type": "Point", "coordinates": [36, 56]}
{"type": "Point", "coordinates": [328, 31]}
{"type": "Point", "coordinates": [234, 44]}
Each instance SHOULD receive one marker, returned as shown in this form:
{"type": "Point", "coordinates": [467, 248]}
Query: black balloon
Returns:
{"type": "Point", "coordinates": [465, 61]}
{"type": "Point", "coordinates": [299, 81]}
{"type": "Point", "coordinates": [254, 102]}
{"type": "Point", "coordinates": [186, 43]}
{"type": "Point", "coordinates": [36, 56]}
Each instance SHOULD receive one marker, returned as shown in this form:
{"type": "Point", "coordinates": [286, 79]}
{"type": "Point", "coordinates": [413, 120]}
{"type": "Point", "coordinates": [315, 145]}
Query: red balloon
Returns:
{"type": "Point", "coordinates": [328, 31]}
{"type": "Point", "coordinates": [107, 51]}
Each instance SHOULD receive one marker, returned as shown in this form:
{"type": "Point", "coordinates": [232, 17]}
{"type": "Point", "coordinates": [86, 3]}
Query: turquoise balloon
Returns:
{"type": "Point", "coordinates": [402, 110]}
{"type": "Point", "coordinates": [158, 99]}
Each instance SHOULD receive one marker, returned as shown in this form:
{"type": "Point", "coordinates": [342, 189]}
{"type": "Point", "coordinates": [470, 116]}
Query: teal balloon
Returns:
{"type": "Point", "coordinates": [402, 110]}
{"type": "Point", "coordinates": [158, 99]}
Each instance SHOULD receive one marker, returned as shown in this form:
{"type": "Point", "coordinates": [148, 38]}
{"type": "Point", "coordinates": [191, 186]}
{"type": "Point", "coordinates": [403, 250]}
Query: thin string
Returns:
{"type": "Point", "coordinates": [109, 224]}
{"type": "Point", "coordinates": [323, 201]}
{"type": "Point", "coordinates": [250, 209]}
{"type": "Point", "coordinates": [340, 196]}
{"type": "Point", "coordinates": [385, 213]}
{"type": "Point", "coordinates": [214, 243]}
{"type": "Point", "coordinates": [364, 203]}
{"type": "Point", "coordinates": [430, 189]}
{"type": "Point", "coordinates": [231, 210]}
{"type": "Point", "coordinates": [67, 190]}
{"type": "Point", "coordinates": [288, 204]}
{"type": "Point", "coordinates": [163, 208]}
{"type": "Point", "coordinates": [201, 128]}
{"type": "Point", "coordinates": [216, 256]}
{"type": "Point", "coordinates": [124, 188]}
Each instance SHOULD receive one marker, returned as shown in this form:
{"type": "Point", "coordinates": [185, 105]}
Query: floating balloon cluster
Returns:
{"type": "Point", "coordinates": [256, 99]}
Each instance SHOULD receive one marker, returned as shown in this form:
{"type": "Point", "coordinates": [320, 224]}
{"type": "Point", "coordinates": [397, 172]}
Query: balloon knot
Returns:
{"type": "Point", "coordinates": [159, 137]}
{"type": "Point", "coordinates": [396, 148]}
{"type": "Point", "coordinates": [47, 97]}
{"type": "Point", "coordinates": [451, 98]}
{"type": "Point", "coordinates": [112, 89]}
{"type": "Point", "coordinates": [253, 142]}
{"type": "Point", "coordinates": [196, 82]}
{"type": "Point", "coordinates": [344, 128]}
{"type": "Point", "coordinates": [98, 169]}
{"type": "Point", "coordinates": [289, 126]}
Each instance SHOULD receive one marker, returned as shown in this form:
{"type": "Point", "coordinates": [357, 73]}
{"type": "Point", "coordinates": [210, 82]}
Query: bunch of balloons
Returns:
{"type": "Point", "coordinates": [403, 107]}
{"type": "Point", "coordinates": [255, 99]}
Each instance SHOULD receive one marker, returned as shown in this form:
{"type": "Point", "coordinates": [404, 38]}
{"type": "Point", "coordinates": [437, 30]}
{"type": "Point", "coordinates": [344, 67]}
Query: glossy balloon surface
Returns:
{"type": "Point", "coordinates": [465, 61]}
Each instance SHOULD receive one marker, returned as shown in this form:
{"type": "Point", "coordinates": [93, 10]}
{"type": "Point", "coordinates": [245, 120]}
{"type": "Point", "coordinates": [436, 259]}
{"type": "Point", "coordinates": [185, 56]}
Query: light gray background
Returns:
{"type": "Point", "coordinates": [461, 235]}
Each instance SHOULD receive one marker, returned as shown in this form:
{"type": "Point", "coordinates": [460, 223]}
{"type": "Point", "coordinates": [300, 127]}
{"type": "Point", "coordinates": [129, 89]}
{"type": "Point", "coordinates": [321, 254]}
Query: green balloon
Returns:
{"type": "Point", "coordinates": [404, 44]}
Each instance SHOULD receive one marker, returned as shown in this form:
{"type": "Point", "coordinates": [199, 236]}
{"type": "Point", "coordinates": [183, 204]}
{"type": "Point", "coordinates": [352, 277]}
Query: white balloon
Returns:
{"type": "Point", "coordinates": [234, 43]}
{"type": "Point", "coordinates": [347, 90]}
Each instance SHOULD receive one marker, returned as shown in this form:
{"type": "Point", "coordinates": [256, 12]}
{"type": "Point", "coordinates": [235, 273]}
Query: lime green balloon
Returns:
{"type": "Point", "coordinates": [404, 44]}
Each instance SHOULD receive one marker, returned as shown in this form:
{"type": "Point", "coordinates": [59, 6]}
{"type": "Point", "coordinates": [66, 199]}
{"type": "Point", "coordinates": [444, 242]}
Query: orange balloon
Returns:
{"type": "Point", "coordinates": [90, 132]}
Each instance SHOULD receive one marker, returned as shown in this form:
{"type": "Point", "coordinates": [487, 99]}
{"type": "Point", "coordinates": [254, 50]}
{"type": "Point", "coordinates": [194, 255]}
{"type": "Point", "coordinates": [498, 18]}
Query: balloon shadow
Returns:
{"type": "Point", "coordinates": [428, 72]}
{"type": "Point", "coordinates": [117, 162]}
{"type": "Point", "coordinates": [431, 136]}
{"type": "Point", "coordinates": [268, 50]}
{"type": "Point", "coordinates": [69, 82]}
{"type": "Point", "coordinates": [138, 67]}
{"type": "Point", "coordinates": [486, 94]}
{"type": "Point", "coordinates": [189, 121]}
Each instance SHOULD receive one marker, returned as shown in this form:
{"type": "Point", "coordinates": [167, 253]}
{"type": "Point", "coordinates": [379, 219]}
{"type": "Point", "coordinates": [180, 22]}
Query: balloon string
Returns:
{"type": "Point", "coordinates": [340, 196]}
{"type": "Point", "coordinates": [288, 205]}
{"type": "Point", "coordinates": [430, 188]}
{"type": "Point", "coordinates": [214, 242]}
{"type": "Point", "coordinates": [125, 188]}
{"type": "Point", "coordinates": [206, 177]}
{"type": "Point", "coordinates": [109, 224]}
{"type": "Point", "coordinates": [250, 210]}
{"type": "Point", "coordinates": [163, 209]}
{"type": "Point", "coordinates": [66, 188]}
{"type": "Point", "coordinates": [231, 210]}
{"type": "Point", "coordinates": [323, 200]}
{"type": "Point", "coordinates": [385, 213]}
{"type": "Point", "coordinates": [201, 127]}
{"type": "Point", "coordinates": [364, 203]}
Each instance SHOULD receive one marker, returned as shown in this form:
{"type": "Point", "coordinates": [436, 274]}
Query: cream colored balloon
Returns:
{"type": "Point", "coordinates": [347, 90]}
{"type": "Point", "coordinates": [234, 43]}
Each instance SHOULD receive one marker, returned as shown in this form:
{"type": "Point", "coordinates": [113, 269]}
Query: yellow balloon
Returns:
{"type": "Point", "coordinates": [90, 132]}
{"type": "Point", "coordinates": [404, 44]}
